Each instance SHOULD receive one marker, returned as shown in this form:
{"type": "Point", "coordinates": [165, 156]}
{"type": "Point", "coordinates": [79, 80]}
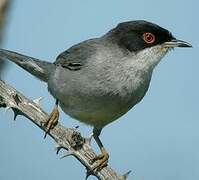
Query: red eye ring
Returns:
{"type": "Point", "coordinates": [149, 38]}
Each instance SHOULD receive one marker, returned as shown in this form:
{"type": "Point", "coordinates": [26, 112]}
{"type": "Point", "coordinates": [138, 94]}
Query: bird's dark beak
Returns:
{"type": "Point", "coordinates": [177, 43]}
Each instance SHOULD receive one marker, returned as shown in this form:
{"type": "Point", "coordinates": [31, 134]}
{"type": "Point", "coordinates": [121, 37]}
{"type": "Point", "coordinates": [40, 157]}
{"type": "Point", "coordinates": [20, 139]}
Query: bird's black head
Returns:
{"type": "Point", "coordinates": [138, 35]}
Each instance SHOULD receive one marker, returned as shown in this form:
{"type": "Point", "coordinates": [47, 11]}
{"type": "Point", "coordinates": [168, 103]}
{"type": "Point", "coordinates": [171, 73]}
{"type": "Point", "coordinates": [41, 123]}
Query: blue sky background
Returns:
{"type": "Point", "coordinates": [158, 139]}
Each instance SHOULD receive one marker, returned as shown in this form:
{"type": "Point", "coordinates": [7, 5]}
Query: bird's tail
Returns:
{"type": "Point", "coordinates": [36, 67]}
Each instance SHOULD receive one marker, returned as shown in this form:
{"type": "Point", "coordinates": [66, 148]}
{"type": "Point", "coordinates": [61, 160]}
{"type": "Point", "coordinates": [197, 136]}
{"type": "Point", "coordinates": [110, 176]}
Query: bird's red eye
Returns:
{"type": "Point", "coordinates": [149, 38]}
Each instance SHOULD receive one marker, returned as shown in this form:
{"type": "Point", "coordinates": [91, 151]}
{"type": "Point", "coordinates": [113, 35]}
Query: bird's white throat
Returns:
{"type": "Point", "coordinates": [147, 59]}
{"type": "Point", "coordinates": [135, 75]}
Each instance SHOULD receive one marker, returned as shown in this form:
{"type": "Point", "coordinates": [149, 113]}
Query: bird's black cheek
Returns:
{"type": "Point", "coordinates": [132, 43]}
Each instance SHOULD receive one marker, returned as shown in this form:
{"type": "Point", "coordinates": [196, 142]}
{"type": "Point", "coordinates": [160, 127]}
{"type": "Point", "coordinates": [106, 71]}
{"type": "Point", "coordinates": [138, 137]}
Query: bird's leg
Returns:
{"type": "Point", "coordinates": [52, 119]}
{"type": "Point", "coordinates": [102, 159]}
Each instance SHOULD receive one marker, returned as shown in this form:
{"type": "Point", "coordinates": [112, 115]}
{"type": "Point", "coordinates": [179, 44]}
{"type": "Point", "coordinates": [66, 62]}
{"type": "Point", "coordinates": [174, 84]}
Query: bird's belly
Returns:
{"type": "Point", "coordinates": [96, 112]}
{"type": "Point", "coordinates": [91, 103]}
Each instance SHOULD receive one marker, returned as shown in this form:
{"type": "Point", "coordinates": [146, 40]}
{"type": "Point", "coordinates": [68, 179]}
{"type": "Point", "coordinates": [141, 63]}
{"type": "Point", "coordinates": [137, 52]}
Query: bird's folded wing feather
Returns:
{"type": "Point", "coordinates": [76, 57]}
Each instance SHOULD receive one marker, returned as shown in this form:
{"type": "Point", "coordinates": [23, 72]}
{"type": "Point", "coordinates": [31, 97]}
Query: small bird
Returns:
{"type": "Point", "coordinates": [100, 79]}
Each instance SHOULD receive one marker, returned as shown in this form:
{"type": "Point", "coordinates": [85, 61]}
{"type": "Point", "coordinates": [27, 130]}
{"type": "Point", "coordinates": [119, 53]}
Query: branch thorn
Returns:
{"type": "Point", "coordinates": [16, 113]}
{"type": "Point", "coordinates": [69, 153]}
{"type": "Point", "coordinates": [88, 139]}
{"type": "Point", "coordinates": [88, 173]}
{"type": "Point", "coordinates": [37, 100]}
{"type": "Point", "coordinates": [125, 176]}
{"type": "Point", "coordinates": [58, 148]}
{"type": "Point", "coordinates": [7, 108]}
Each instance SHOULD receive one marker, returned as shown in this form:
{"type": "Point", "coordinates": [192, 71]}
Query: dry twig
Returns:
{"type": "Point", "coordinates": [66, 138]}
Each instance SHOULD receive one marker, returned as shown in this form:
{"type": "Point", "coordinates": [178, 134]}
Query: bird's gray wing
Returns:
{"type": "Point", "coordinates": [76, 57]}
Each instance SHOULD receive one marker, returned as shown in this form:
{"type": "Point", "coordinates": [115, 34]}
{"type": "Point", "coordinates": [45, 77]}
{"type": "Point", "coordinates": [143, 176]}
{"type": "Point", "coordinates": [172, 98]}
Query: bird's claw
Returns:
{"type": "Point", "coordinates": [100, 161]}
{"type": "Point", "coordinates": [52, 121]}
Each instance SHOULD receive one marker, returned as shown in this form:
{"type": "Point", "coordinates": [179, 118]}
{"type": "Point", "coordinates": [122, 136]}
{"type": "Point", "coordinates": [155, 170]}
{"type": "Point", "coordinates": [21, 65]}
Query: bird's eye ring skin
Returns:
{"type": "Point", "coordinates": [148, 38]}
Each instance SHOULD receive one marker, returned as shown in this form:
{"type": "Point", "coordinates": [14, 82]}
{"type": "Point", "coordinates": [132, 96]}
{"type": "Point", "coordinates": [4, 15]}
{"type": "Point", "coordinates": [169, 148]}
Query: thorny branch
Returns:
{"type": "Point", "coordinates": [65, 138]}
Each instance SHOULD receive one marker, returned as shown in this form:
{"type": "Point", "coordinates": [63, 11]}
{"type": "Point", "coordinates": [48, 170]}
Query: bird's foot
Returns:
{"type": "Point", "coordinates": [52, 120]}
{"type": "Point", "coordinates": [101, 160]}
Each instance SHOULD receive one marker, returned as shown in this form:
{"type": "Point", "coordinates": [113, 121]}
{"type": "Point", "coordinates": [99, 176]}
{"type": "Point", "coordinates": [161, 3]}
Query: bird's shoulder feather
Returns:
{"type": "Point", "coordinates": [75, 57]}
